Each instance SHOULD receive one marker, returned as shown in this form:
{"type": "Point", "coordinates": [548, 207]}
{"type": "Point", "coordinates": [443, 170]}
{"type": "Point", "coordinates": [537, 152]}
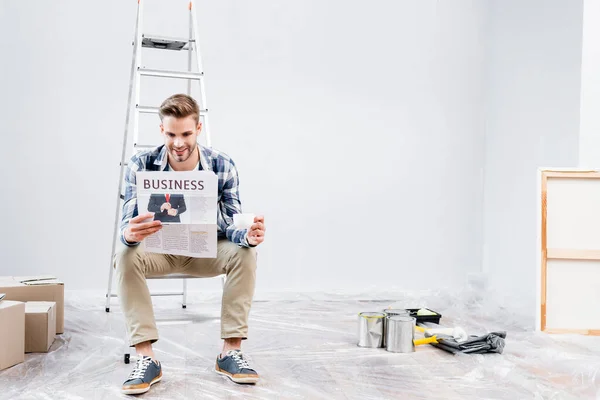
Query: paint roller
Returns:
{"type": "Point", "coordinates": [431, 334]}
{"type": "Point", "coordinates": [432, 339]}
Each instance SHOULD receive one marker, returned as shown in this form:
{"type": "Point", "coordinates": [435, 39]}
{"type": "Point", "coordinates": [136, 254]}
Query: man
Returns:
{"type": "Point", "coordinates": [236, 256]}
{"type": "Point", "coordinates": [167, 207]}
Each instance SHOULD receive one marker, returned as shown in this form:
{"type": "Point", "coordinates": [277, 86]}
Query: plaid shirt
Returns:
{"type": "Point", "coordinates": [210, 160]}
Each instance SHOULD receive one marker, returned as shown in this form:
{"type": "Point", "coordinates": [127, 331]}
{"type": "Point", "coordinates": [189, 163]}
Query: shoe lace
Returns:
{"type": "Point", "coordinates": [240, 360]}
{"type": "Point", "coordinates": [140, 368]}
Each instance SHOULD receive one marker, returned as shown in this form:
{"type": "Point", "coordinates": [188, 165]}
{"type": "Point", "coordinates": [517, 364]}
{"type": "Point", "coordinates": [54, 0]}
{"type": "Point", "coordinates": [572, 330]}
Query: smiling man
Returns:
{"type": "Point", "coordinates": [236, 258]}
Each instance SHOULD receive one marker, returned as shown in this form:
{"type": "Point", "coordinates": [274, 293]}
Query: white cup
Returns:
{"type": "Point", "coordinates": [243, 221]}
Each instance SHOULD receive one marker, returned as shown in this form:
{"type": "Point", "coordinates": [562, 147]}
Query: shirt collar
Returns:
{"type": "Point", "coordinates": [206, 166]}
{"type": "Point", "coordinates": [163, 159]}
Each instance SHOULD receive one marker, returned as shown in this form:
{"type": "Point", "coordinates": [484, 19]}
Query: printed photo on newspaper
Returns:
{"type": "Point", "coordinates": [186, 204]}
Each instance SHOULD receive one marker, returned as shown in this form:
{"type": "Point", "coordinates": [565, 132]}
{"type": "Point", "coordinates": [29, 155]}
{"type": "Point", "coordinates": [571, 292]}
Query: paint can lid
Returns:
{"type": "Point", "coordinates": [396, 311]}
{"type": "Point", "coordinates": [372, 314]}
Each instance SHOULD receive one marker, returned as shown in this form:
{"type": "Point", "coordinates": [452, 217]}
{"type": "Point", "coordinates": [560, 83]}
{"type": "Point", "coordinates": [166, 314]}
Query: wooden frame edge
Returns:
{"type": "Point", "coordinates": [571, 174]}
{"type": "Point", "coordinates": [590, 332]}
{"type": "Point", "coordinates": [543, 244]}
{"type": "Point", "coordinates": [572, 254]}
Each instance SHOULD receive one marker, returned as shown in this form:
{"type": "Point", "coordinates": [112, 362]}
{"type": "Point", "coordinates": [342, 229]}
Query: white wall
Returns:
{"type": "Point", "coordinates": [357, 130]}
{"type": "Point", "coordinates": [589, 127]}
{"type": "Point", "coordinates": [532, 120]}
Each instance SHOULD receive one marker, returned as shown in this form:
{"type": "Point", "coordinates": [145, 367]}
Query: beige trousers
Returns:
{"type": "Point", "coordinates": [133, 265]}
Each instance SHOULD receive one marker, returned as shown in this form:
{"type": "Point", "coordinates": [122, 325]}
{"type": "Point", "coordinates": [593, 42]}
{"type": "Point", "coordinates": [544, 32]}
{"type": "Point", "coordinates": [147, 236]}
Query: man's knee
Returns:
{"type": "Point", "coordinates": [245, 258]}
{"type": "Point", "coordinates": [127, 258]}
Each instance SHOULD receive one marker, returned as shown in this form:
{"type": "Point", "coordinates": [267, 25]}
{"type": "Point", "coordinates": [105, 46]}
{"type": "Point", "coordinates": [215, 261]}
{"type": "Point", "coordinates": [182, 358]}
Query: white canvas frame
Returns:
{"type": "Point", "coordinates": [568, 274]}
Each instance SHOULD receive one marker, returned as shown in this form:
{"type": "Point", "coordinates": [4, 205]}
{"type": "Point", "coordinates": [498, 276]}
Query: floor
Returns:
{"type": "Point", "coordinates": [304, 347]}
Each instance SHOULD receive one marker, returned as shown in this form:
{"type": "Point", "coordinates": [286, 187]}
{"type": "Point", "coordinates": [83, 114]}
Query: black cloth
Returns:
{"type": "Point", "coordinates": [492, 342]}
{"type": "Point", "coordinates": [157, 200]}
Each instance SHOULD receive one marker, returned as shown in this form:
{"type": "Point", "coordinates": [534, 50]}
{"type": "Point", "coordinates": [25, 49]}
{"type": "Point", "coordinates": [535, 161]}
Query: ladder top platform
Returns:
{"type": "Point", "coordinates": [165, 43]}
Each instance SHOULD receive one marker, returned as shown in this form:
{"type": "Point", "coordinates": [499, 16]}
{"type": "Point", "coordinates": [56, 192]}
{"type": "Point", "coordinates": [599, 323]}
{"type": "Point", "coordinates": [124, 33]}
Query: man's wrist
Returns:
{"type": "Point", "coordinates": [247, 238]}
{"type": "Point", "coordinates": [127, 242]}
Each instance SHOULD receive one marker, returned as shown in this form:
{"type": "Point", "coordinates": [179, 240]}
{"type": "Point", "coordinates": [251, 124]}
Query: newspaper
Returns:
{"type": "Point", "coordinates": [186, 204]}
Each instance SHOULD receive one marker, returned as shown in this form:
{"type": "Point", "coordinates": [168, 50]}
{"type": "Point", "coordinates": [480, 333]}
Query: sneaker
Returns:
{"type": "Point", "coordinates": [235, 366]}
{"type": "Point", "coordinates": [145, 374]}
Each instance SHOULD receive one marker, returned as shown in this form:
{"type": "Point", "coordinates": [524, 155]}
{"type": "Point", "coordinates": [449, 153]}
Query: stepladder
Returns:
{"type": "Point", "coordinates": [164, 47]}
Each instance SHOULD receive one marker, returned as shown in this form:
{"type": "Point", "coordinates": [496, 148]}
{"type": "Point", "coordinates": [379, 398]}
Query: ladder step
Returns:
{"type": "Point", "coordinates": [171, 74]}
{"type": "Point", "coordinates": [165, 43]}
{"type": "Point", "coordinates": [147, 110]}
{"type": "Point", "coordinates": [154, 110]}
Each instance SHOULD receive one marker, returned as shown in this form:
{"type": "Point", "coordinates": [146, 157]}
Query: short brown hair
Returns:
{"type": "Point", "coordinates": [179, 106]}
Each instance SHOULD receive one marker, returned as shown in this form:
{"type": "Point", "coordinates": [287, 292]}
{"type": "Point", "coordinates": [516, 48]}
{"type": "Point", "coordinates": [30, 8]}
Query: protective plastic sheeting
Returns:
{"type": "Point", "coordinates": [305, 347]}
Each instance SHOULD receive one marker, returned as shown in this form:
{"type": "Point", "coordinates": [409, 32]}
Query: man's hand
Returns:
{"type": "Point", "coordinates": [256, 233]}
{"type": "Point", "coordinates": [172, 212]}
{"type": "Point", "coordinates": [165, 206]}
{"type": "Point", "coordinates": [137, 230]}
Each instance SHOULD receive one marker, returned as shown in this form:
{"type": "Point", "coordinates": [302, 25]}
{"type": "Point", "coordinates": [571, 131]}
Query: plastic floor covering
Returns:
{"type": "Point", "coordinates": [305, 347]}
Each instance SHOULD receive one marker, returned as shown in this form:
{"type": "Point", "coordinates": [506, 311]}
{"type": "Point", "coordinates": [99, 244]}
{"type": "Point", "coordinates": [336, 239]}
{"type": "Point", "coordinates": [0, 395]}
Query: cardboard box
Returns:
{"type": "Point", "coordinates": [37, 288]}
{"type": "Point", "coordinates": [12, 333]}
{"type": "Point", "coordinates": [40, 326]}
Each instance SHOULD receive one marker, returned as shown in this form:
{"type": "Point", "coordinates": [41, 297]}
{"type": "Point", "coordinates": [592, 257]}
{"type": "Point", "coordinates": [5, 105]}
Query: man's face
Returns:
{"type": "Point", "coordinates": [181, 136]}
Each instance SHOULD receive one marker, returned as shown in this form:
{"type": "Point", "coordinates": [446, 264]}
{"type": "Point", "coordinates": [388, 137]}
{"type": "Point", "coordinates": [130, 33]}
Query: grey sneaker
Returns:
{"type": "Point", "coordinates": [145, 374]}
{"type": "Point", "coordinates": [235, 366]}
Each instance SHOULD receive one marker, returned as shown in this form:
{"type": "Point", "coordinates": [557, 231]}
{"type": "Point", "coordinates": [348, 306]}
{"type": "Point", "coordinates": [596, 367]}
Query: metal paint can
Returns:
{"type": "Point", "coordinates": [400, 334]}
{"type": "Point", "coordinates": [388, 313]}
{"type": "Point", "coordinates": [370, 329]}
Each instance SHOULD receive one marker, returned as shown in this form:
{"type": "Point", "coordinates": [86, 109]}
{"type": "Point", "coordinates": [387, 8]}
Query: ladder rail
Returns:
{"type": "Point", "coordinates": [123, 165]}
{"type": "Point", "coordinates": [190, 49]}
{"type": "Point", "coordinates": [138, 59]}
{"type": "Point", "coordinates": [189, 92]}
{"type": "Point", "coordinates": [200, 69]}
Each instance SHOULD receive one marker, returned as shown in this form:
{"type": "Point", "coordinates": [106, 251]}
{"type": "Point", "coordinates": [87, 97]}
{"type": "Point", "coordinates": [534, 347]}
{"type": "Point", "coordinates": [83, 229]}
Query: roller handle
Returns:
{"type": "Point", "coordinates": [428, 340]}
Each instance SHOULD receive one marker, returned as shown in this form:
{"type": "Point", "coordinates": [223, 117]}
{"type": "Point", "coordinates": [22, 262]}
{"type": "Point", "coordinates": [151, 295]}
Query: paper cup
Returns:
{"type": "Point", "coordinates": [243, 221]}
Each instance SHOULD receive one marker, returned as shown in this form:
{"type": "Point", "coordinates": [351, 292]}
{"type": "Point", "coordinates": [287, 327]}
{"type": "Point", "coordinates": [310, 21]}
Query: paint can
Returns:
{"type": "Point", "coordinates": [400, 334]}
{"type": "Point", "coordinates": [388, 313]}
{"type": "Point", "coordinates": [370, 329]}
